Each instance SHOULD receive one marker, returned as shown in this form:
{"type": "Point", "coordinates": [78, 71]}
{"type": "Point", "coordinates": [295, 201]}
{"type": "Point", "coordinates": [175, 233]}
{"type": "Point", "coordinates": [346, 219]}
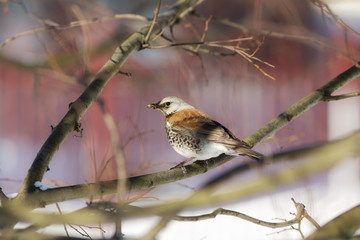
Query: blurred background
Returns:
{"type": "Point", "coordinates": [42, 71]}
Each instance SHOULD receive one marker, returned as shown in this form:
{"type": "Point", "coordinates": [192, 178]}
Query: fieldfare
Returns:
{"type": "Point", "coordinates": [195, 135]}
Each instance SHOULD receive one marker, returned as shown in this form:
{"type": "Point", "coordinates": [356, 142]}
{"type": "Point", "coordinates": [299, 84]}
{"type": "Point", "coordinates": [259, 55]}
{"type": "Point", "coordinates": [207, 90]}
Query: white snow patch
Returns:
{"type": "Point", "coordinates": [41, 186]}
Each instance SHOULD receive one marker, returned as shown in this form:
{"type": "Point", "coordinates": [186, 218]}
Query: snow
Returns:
{"type": "Point", "coordinates": [41, 186]}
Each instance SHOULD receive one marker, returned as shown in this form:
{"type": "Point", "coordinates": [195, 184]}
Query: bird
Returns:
{"type": "Point", "coordinates": [195, 135]}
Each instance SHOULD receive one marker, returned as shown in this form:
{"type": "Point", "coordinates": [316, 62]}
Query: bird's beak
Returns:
{"type": "Point", "coordinates": [153, 106]}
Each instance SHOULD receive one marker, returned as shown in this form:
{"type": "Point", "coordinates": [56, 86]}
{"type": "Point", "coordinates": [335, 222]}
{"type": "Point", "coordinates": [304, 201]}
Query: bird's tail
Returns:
{"type": "Point", "coordinates": [253, 154]}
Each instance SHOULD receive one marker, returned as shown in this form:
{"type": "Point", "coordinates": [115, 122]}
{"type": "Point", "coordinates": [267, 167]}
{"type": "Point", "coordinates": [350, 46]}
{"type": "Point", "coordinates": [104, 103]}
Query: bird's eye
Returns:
{"type": "Point", "coordinates": [167, 104]}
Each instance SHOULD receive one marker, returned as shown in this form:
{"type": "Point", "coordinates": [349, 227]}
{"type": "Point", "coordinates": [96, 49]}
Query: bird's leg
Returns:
{"type": "Point", "coordinates": [181, 165]}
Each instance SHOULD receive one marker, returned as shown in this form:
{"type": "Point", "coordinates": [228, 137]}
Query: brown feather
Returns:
{"type": "Point", "coordinates": [200, 125]}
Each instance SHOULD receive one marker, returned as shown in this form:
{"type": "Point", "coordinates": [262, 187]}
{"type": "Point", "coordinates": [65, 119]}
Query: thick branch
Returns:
{"type": "Point", "coordinates": [341, 227]}
{"type": "Point", "coordinates": [304, 104]}
{"type": "Point", "coordinates": [199, 167]}
{"type": "Point", "coordinates": [107, 212]}
{"type": "Point", "coordinates": [326, 155]}
{"type": "Point", "coordinates": [80, 106]}
{"type": "Point", "coordinates": [315, 159]}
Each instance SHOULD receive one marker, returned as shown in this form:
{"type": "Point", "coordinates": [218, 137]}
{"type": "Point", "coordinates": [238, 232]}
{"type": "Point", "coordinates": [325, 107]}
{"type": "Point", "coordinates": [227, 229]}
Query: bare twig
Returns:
{"type": "Point", "coordinates": [191, 49]}
{"type": "Point", "coordinates": [85, 30]}
{"type": "Point", "coordinates": [247, 57]}
{"type": "Point", "coordinates": [208, 43]}
{"type": "Point", "coordinates": [85, 234]}
{"type": "Point", "coordinates": [157, 228]}
{"type": "Point", "coordinates": [72, 25]}
{"type": "Point", "coordinates": [119, 155]}
{"type": "Point", "coordinates": [310, 219]}
{"type": "Point", "coordinates": [300, 214]}
{"type": "Point", "coordinates": [341, 227]}
{"type": "Point", "coordinates": [181, 16]}
{"type": "Point", "coordinates": [325, 8]}
{"type": "Point", "coordinates": [153, 22]}
{"type": "Point", "coordinates": [136, 136]}
{"type": "Point", "coordinates": [60, 212]}
{"type": "Point", "coordinates": [206, 28]}
{"type": "Point", "coordinates": [241, 52]}
{"type": "Point", "coordinates": [308, 38]}
{"type": "Point", "coordinates": [221, 211]}
{"type": "Point", "coordinates": [203, 70]}
{"type": "Point", "coordinates": [341, 97]}
{"type": "Point", "coordinates": [141, 143]}
{"type": "Point", "coordinates": [288, 229]}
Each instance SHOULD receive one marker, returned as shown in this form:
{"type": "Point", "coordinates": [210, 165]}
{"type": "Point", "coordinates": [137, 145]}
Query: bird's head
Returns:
{"type": "Point", "coordinates": [170, 105]}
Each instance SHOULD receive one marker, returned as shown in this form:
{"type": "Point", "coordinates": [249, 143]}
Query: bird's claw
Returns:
{"type": "Point", "coordinates": [180, 165]}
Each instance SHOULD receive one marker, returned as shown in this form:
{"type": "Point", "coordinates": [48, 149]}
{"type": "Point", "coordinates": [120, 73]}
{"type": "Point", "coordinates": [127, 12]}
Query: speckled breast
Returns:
{"type": "Point", "coordinates": [184, 144]}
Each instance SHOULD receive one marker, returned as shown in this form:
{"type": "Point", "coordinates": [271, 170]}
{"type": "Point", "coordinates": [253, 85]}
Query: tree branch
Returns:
{"type": "Point", "coordinates": [341, 97]}
{"type": "Point", "coordinates": [304, 104]}
{"type": "Point", "coordinates": [153, 21]}
{"type": "Point", "coordinates": [49, 24]}
{"type": "Point", "coordinates": [300, 210]}
{"type": "Point", "coordinates": [80, 106]}
{"type": "Point", "coordinates": [315, 159]}
{"type": "Point", "coordinates": [309, 38]}
{"type": "Point", "coordinates": [341, 227]}
{"type": "Point", "coordinates": [198, 167]}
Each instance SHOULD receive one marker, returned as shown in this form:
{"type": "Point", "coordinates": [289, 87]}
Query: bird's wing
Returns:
{"type": "Point", "coordinates": [215, 132]}
{"type": "Point", "coordinates": [200, 127]}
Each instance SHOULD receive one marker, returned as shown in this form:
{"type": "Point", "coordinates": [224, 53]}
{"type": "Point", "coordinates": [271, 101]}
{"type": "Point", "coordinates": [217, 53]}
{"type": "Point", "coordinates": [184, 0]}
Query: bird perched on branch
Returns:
{"type": "Point", "coordinates": [195, 135]}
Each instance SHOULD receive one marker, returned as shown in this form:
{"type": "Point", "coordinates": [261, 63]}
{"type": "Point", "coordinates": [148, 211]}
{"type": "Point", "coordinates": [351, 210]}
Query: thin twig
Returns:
{"type": "Point", "coordinates": [340, 97]}
{"type": "Point", "coordinates": [241, 52]}
{"type": "Point", "coordinates": [206, 28]}
{"type": "Point", "coordinates": [173, 45]}
{"type": "Point", "coordinates": [195, 50]}
{"type": "Point", "coordinates": [326, 9]}
{"type": "Point", "coordinates": [203, 70]}
{"type": "Point", "coordinates": [60, 212]}
{"type": "Point", "coordinates": [141, 143]}
{"type": "Point", "coordinates": [56, 26]}
{"type": "Point", "coordinates": [86, 32]}
{"type": "Point", "coordinates": [199, 43]}
{"type": "Point", "coordinates": [310, 219]}
{"type": "Point", "coordinates": [203, 50]}
{"type": "Point", "coordinates": [157, 228]}
{"type": "Point", "coordinates": [247, 57]}
{"type": "Point", "coordinates": [343, 226]}
{"type": "Point", "coordinates": [118, 151]}
{"type": "Point", "coordinates": [153, 22]}
{"type": "Point", "coordinates": [190, 25]}
{"type": "Point", "coordinates": [221, 211]}
{"type": "Point", "coordinates": [299, 230]}
{"type": "Point", "coordinates": [85, 234]}
{"type": "Point", "coordinates": [317, 41]}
